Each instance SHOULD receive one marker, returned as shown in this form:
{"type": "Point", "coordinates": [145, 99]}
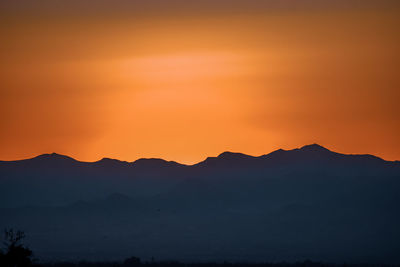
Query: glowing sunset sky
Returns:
{"type": "Point", "coordinates": [183, 80]}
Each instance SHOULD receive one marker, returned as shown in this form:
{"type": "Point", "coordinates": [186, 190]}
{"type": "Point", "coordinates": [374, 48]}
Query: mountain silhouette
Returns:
{"type": "Point", "coordinates": [288, 205]}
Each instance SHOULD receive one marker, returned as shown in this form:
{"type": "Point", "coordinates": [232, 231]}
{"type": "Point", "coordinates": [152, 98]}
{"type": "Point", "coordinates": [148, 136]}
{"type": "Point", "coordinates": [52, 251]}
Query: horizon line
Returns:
{"type": "Point", "coordinates": [184, 164]}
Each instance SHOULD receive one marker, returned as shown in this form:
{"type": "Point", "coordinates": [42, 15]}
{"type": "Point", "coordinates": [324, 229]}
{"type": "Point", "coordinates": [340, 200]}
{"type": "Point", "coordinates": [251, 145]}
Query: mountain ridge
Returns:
{"type": "Point", "coordinates": [226, 155]}
{"type": "Point", "coordinates": [308, 201]}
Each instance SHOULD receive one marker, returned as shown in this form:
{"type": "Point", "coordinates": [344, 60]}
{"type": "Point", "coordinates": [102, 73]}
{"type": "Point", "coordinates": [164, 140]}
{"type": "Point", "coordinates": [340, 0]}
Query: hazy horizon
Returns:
{"type": "Point", "coordinates": [183, 80]}
{"type": "Point", "coordinates": [194, 163]}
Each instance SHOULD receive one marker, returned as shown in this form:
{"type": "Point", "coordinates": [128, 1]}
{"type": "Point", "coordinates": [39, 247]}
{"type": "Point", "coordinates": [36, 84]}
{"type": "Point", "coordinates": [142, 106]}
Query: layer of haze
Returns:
{"type": "Point", "coordinates": [183, 80]}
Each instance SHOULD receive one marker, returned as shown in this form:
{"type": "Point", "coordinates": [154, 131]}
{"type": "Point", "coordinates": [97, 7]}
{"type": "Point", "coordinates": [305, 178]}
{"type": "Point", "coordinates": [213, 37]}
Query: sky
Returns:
{"type": "Point", "coordinates": [184, 80]}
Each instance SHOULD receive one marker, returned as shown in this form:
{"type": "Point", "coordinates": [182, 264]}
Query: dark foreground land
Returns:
{"type": "Point", "coordinates": [288, 205]}
{"type": "Point", "coordinates": [128, 263]}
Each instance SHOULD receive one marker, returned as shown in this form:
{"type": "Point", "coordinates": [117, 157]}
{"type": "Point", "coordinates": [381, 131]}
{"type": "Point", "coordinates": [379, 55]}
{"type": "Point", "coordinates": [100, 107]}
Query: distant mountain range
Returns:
{"type": "Point", "coordinates": [306, 203]}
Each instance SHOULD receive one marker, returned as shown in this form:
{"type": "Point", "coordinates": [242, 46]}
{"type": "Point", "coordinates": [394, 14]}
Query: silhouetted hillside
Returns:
{"type": "Point", "coordinates": [289, 205]}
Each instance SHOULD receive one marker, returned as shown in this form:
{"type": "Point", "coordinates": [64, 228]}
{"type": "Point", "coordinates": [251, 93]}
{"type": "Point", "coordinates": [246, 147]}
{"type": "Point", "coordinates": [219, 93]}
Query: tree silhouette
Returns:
{"type": "Point", "coordinates": [16, 254]}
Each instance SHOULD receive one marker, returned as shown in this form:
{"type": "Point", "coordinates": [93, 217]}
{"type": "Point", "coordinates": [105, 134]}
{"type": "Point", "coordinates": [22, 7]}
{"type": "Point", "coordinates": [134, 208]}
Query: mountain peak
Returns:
{"type": "Point", "coordinates": [110, 161]}
{"type": "Point", "coordinates": [226, 158]}
{"type": "Point", "coordinates": [232, 155]}
{"type": "Point", "coordinates": [314, 148]}
{"type": "Point", "coordinates": [53, 156]}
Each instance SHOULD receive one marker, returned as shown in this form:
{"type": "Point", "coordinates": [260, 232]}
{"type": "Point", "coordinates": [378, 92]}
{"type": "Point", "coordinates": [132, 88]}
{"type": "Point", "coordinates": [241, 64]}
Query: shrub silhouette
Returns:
{"type": "Point", "coordinates": [16, 254]}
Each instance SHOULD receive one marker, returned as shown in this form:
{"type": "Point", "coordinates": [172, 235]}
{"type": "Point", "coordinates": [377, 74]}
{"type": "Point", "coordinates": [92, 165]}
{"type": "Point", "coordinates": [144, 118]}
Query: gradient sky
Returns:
{"type": "Point", "coordinates": [183, 80]}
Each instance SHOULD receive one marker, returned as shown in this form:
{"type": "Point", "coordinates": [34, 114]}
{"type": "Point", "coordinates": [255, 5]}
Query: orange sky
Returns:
{"type": "Point", "coordinates": [183, 80]}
